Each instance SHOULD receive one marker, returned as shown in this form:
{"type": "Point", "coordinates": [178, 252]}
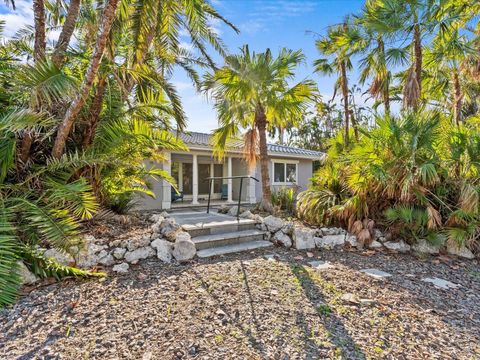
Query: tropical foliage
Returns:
{"type": "Point", "coordinates": [79, 116]}
{"type": "Point", "coordinates": [252, 93]}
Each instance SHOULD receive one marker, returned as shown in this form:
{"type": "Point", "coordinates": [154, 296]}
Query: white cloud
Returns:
{"type": "Point", "coordinates": [15, 20]}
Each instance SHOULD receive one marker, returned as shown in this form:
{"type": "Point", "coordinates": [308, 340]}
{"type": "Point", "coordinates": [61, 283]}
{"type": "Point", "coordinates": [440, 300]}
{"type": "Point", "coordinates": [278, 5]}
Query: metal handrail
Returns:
{"type": "Point", "coordinates": [241, 177]}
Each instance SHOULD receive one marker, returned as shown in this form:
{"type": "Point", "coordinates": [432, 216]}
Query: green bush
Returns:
{"type": "Point", "coordinates": [417, 174]}
{"type": "Point", "coordinates": [285, 199]}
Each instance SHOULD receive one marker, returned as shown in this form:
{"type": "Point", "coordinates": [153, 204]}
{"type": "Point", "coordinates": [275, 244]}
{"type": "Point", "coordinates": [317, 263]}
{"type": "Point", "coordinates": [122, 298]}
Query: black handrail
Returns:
{"type": "Point", "coordinates": [241, 177]}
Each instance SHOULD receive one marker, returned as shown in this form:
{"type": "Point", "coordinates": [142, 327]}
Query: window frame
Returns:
{"type": "Point", "coordinates": [284, 162]}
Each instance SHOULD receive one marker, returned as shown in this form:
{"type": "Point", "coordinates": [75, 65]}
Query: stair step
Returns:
{"type": "Point", "coordinates": [229, 249]}
{"type": "Point", "coordinates": [219, 227]}
{"type": "Point", "coordinates": [230, 238]}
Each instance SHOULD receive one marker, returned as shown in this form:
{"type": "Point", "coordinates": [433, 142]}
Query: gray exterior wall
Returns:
{"type": "Point", "coordinates": [239, 167]}
{"type": "Point", "coordinates": [304, 173]}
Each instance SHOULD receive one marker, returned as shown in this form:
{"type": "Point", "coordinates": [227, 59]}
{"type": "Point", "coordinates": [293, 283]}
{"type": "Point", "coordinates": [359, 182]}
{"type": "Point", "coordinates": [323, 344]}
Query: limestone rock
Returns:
{"type": "Point", "coordinates": [59, 257]}
{"type": "Point", "coordinates": [273, 223]}
{"type": "Point", "coordinates": [377, 234]}
{"type": "Point", "coordinates": [184, 250]}
{"type": "Point", "coordinates": [165, 214]}
{"type": "Point", "coordinates": [164, 249]}
{"type": "Point", "coordinates": [247, 215]}
{"type": "Point", "coordinates": [288, 228]}
{"type": "Point", "coordinates": [303, 238]}
{"type": "Point", "coordinates": [400, 246]}
{"type": "Point", "coordinates": [169, 228]}
{"type": "Point", "coordinates": [138, 242]}
{"type": "Point", "coordinates": [258, 218]}
{"type": "Point", "coordinates": [375, 245]}
{"type": "Point", "coordinates": [105, 258]}
{"type": "Point", "coordinates": [118, 253]}
{"type": "Point", "coordinates": [459, 251]}
{"type": "Point", "coordinates": [352, 240]}
{"type": "Point", "coordinates": [155, 218]}
{"type": "Point", "coordinates": [282, 239]}
{"type": "Point", "coordinates": [182, 236]}
{"type": "Point", "coordinates": [139, 254]}
{"type": "Point", "coordinates": [234, 209]}
{"type": "Point", "coordinates": [27, 277]}
{"type": "Point", "coordinates": [223, 209]}
{"type": "Point", "coordinates": [329, 241]}
{"type": "Point", "coordinates": [423, 247]}
{"type": "Point", "coordinates": [121, 268]}
{"type": "Point", "coordinates": [91, 255]}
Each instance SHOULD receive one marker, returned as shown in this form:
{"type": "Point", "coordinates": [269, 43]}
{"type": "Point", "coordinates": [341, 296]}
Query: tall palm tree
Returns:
{"type": "Point", "coordinates": [408, 20]}
{"type": "Point", "coordinates": [445, 58]}
{"type": "Point", "coordinates": [252, 92]}
{"type": "Point", "coordinates": [338, 45]}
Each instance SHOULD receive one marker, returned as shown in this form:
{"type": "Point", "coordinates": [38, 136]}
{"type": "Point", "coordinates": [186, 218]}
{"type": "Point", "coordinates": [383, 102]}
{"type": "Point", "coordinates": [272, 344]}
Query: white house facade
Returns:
{"type": "Point", "coordinates": [289, 166]}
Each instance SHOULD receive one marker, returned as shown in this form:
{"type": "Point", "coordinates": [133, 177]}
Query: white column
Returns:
{"type": "Point", "coordinates": [229, 181]}
{"type": "Point", "coordinates": [251, 198]}
{"type": "Point", "coordinates": [195, 179]}
{"type": "Point", "coordinates": [166, 187]}
{"type": "Point", "coordinates": [212, 174]}
{"type": "Point", "coordinates": [180, 176]}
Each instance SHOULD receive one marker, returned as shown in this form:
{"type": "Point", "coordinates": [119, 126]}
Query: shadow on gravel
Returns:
{"type": "Point", "coordinates": [332, 323]}
{"type": "Point", "coordinates": [256, 344]}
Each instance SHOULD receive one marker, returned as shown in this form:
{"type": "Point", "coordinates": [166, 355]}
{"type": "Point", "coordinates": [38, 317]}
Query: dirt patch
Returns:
{"type": "Point", "coordinates": [244, 306]}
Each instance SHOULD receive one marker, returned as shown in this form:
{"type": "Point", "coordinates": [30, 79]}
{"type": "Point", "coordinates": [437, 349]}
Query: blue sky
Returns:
{"type": "Point", "coordinates": [263, 24]}
{"type": "Point", "coordinates": [270, 24]}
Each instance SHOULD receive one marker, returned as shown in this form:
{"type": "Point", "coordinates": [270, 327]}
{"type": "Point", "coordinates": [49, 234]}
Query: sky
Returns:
{"type": "Point", "coordinates": [263, 24]}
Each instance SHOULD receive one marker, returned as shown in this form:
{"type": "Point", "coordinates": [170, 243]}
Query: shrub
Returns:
{"type": "Point", "coordinates": [285, 199]}
{"type": "Point", "coordinates": [417, 174]}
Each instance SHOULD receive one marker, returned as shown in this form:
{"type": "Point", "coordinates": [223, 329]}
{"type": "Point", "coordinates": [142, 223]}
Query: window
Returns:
{"type": "Point", "coordinates": [284, 172]}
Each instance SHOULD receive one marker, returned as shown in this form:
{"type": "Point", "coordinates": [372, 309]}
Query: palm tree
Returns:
{"type": "Point", "coordinates": [338, 46]}
{"type": "Point", "coordinates": [252, 92]}
{"type": "Point", "coordinates": [407, 20]}
{"type": "Point", "coordinates": [445, 57]}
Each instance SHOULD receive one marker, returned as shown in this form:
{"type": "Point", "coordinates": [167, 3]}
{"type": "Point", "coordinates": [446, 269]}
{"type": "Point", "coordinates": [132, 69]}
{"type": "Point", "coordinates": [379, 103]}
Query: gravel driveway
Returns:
{"type": "Point", "coordinates": [244, 306]}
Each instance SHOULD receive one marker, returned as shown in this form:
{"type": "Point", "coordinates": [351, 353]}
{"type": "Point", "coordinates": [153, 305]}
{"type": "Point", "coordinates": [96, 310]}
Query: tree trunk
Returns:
{"type": "Point", "coordinates": [68, 28]}
{"type": "Point", "coordinates": [281, 133]}
{"type": "Point", "coordinates": [39, 22]}
{"type": "Point", "coordinates": [386, 85]}
{"type": "Point", "coordinates": [39, 49]}
{"type": "Point", "coordinates": [354, 124]}
{"type": "Point", "coordinates": [457, 98]}
{"type": "Point", "coordinates": [343, 79]}
{"type": "Point", "coordinates": [77, 104]}
{"type": "Point", "coordinates": [94, 113]}
{"type": "Point", "coordinates": [261, 124]}
{"type": "Point", "coordinates": [417, 46]}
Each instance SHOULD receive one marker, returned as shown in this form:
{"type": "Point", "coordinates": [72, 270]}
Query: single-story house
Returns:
{"type": "Point", "coordinates": [289, 166]}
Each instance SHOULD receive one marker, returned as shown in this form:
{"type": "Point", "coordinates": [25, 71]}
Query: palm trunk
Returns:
{"type": "Point", "coordinates": [261, 124]}
{"type": "Point", "coordinates": [94, 113]}
{"type": "Point", "coordinates": [39, 49]}
{"type": "Point", "coordinates": [281, 133]}
{"type": "Point", "coordinates": [457, 98]}
{"type": "Point", "coordinates": [344, 85]}
{"type": "Point", "coordinates": [417, 46]}
{"type": "Point", "coordinates": [386, 86]}
{"type": "Point", "coordinates": [39, 22]}
{"type": "Point", "coordinates": [77, 104]}
{"type": "Point", "coordinates": [68, 28]}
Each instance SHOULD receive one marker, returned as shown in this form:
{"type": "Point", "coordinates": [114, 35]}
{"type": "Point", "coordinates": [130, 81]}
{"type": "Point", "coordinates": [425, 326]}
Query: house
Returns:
{"type": "Point", "coordinates": [289, 166]}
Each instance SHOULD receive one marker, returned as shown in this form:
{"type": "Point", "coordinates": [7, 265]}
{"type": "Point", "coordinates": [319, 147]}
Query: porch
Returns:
{"type": "Point", "coordinates": [191, 171]}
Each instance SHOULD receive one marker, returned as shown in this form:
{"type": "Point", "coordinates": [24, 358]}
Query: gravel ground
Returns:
{"type": "Point", "coordinates": [244, 306]}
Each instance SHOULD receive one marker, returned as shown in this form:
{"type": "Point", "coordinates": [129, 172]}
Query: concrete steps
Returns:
{"type": "Point", "coordinates": [229, 238]}
{"type": "Point", "coordinates": [229, 249]}
{"type": "Point", "coordinates": [219, 227]}
{"type": "Point", "coordinates": [217, 234]}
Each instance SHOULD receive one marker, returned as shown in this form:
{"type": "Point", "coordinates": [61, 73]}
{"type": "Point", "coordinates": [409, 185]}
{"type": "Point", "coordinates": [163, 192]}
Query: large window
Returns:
{"type": "Point", "coordinates": [284, 172]}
